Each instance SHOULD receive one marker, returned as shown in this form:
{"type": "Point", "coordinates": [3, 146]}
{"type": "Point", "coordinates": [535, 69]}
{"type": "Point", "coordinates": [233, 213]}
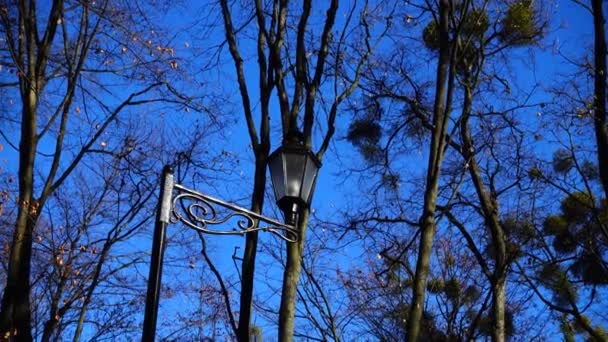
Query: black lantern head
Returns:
{"type": "Point", "coordinates": [293, 172]}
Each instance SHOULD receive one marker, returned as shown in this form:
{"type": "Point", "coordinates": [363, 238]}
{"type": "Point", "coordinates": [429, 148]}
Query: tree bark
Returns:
{"type": "Point", "coordinates": [249, 256]}
{"type": "Point", "coordinates": [30, 55]}
{"type": "Point", "coordinates": [54, 315]}
{"type": "Point", "coordinates": [291, 277]}
{"type": "Point", "coordinates": [489, 206]}
{"type": "Point", "coordinates": [436, 155]}
{"type": "Point", "coordinates": [15, 315]}
{"type": "Point", "coordinates": [89, 292]}
{"type": "Point", "coordinates": [599, 99]}
{"type": "Point", "coordinates": [260, 146]}
{"type": "Point", "coordinates": [498, 309]}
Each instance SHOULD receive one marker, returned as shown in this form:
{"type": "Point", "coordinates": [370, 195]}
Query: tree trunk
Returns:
{"type": "Point", "coordinates": [54, 315]}
{"type": "Point", "coordinates": [91, 289]}
{"type": "Point", "coordinates": [599, 99]}
{"type": "Point", "coordinates": [489, 206]}
{"type": "Point", "coordinates": [291, 277]}
{"type": "Point", "coordinates": [498, 309]}
{"type": "Point", "coordinates": [249, 256]}
{"type": "Point", "coordinates": [436, 154]}
{"type": "Point", "coordinates": [30, 56]}
{"type": "Point", "coordinates": [15, 315]}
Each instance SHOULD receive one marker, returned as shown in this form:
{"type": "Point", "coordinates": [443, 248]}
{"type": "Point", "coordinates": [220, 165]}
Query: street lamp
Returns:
{"type": "Point", "coordinates": [293, 172]}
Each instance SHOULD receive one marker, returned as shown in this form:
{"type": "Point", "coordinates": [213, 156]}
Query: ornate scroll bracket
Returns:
{"type": "Point", "coordinates": [199, 212]}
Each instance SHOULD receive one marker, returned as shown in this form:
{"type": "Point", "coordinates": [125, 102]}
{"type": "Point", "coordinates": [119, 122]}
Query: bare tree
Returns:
{"type": "Point", "coordinates": [467, 38]}
{"type": "Point", "coordinates": [68, 59]}
{"type": "Point", "coordinates": [296, 73]}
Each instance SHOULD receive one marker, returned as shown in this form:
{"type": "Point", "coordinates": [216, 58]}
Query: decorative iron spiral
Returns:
{"type": "Point", "coordinates": [198, 212]}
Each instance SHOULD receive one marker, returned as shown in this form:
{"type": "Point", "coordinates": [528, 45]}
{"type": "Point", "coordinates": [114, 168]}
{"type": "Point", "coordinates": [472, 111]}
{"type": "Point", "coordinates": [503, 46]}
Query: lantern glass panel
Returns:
{"type": "Point", "coordinates": [294, 165]}
{"type": "Point", "coordinates": [277, 172]}
{"type": "Point", "coordinates": [310, 177]}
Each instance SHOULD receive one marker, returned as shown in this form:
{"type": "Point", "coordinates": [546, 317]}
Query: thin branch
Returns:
{"type": "Point", "coordinates": [220, 280]}
{"type": "Point", "coordinates": [238, 65]}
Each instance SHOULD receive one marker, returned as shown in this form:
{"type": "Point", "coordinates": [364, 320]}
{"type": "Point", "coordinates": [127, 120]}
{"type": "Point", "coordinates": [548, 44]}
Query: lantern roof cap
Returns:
{"type": "Point", "coordinates": [299, 149]}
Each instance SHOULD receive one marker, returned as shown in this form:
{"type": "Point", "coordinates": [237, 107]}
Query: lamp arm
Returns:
{"type": "Point", "coordinates": [198, 211]}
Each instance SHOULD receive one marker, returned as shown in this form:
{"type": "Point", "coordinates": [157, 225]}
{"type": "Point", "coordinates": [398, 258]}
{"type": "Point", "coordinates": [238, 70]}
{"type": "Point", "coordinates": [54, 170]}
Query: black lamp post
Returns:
{"type": "Point", "coordinates": [294, 173]}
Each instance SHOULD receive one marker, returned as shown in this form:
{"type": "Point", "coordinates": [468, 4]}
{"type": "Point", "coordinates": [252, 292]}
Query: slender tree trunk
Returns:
{"type": "Point", "coordinates": [30, 54]}
{"type": "Point", "coordinates": [489, 206]}
{"type": "Point", "coordinates": [54, 315]}
{"type": "Point", "coordinates": [498, 309]}
{"type": "Point", "coordinates": [599, 99]}
{"type": "Point", "coordinates": [249, 256]}
{"type": "Point", "coordinates": [55, 312]}
{"type": "Point", "coordinates": [248, 269]}
{"type": "Point", "coordinates": [291, 277]}
{"type": "Point", "coordinates": [50, 325]}
{"type": "Point", "coordinates": [261, 149]}
{"type": "Point", "coordinates": [15, 315]}
{"type": "Point", "coordinates": [91, 289]}
{"type": "Point", "coordinates": [436, 154]}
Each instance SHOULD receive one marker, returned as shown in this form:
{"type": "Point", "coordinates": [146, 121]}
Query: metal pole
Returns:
{"type": "Point", "coordinates": [158, 249]}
